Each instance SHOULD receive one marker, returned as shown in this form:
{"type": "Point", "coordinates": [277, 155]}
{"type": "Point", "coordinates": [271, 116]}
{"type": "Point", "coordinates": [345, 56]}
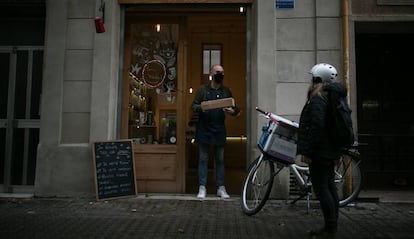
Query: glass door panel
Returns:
{"type": "Point", "coordinates": [21, 82]}
{"type": "Point", "coordinates": [151, 116]}
{"type": "Point", "coordinates": [4, 83]}
{"type": "Point", "coordinates": [4, 86]}
{"type": "Point", "coordinates": [153, 83]}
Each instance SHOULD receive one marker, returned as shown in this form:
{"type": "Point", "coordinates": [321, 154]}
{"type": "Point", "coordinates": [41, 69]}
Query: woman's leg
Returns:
{"type": "Point", "coordinates": [321, 176]}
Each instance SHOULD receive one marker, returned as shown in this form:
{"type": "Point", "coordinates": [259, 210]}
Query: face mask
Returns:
{"type": "Point", "coordinates": [218, 77]}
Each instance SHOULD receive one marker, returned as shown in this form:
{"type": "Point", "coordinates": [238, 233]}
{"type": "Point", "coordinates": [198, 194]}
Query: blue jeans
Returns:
{"type": "Point", "coordinates": [203, 164]}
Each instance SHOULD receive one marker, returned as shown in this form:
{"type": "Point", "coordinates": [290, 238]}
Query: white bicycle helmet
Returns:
{"type": "Point", "coordinates": [323, 72]}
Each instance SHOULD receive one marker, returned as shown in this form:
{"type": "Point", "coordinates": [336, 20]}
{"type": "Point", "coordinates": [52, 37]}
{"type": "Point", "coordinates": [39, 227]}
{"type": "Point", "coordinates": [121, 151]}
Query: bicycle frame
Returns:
{"type": "Point", "coordinates": [296, 169]}
{"type": "Point", "coordinates": [261, 173]}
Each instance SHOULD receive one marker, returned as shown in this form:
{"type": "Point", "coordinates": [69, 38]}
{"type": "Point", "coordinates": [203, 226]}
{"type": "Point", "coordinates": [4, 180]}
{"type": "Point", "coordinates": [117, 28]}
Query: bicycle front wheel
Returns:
{"type": "Point", "coordinates": [257, 185]}
{"type": "Point", "coordinates": [348, 179]}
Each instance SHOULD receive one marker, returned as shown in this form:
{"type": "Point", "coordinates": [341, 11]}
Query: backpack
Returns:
{"type": "Point", "coordinates": [342, 130]}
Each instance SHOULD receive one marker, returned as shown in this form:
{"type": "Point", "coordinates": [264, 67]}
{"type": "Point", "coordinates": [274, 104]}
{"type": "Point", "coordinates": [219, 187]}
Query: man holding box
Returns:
{"type": "Point", "coordinates": [210, 129]}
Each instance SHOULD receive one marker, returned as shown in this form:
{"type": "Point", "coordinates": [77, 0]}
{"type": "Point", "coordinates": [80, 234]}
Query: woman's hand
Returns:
{"type": "Point", "coordinates": [306, 159]}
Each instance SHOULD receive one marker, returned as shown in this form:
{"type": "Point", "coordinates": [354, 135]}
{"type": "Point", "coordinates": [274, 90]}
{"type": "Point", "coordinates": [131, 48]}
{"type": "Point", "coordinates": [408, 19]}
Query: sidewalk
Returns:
{"type": "Point", "coordinates": [389, 196]}
{"type": "Point", "coordinates": [183, 216]}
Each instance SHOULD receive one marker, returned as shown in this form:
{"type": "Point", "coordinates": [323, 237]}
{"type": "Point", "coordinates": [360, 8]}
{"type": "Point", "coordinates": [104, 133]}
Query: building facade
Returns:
{"type": "Point", "coordinates": [134, 80]}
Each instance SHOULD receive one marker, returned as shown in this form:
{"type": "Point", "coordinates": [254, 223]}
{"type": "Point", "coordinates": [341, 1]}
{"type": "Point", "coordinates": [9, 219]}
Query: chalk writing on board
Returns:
{"type": "Point", "coordinates": [114, 169]}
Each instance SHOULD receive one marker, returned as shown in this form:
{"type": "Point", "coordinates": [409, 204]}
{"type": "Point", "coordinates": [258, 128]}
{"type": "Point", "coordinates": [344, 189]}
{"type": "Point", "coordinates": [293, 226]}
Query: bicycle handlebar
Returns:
{"type": "Point", "coordinates": [279, 120]}
{"type": "Point", "coordinates": [262, 111]}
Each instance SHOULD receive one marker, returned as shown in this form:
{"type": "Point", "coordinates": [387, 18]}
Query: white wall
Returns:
{"type": "Point", "coordinates": [79, 95]}
{"type": "Point", "coordinates": [288, 42]}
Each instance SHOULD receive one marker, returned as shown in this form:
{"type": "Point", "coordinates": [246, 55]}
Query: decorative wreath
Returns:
{"type": "Point", "coordinates": [153, 73]}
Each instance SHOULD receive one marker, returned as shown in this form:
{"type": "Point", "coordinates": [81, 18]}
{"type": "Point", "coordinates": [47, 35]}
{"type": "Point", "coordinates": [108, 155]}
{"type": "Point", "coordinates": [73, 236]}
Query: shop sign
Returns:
{"type": "Point", "coordinates": [285, 4]}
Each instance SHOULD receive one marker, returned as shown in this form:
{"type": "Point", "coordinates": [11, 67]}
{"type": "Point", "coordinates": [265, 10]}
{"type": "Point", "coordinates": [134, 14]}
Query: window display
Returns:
{"type": "Point", "coordinates": [152, 83]}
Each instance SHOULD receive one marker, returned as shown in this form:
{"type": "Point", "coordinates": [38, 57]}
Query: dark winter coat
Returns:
{"type": "Point", "coordinates": [210, 128]}
{"type": "Point", "coordinates": [315, 126]}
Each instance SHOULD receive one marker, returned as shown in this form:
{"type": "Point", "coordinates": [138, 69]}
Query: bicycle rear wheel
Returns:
{"type": "Point", "coordinates": [348, 179]}
{"type": "Point", "coordinates": [257, 185]}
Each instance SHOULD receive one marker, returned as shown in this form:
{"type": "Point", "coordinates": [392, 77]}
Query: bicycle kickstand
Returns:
{"type": "Point", "coordinates": [307, 194]}
{"type": "Point", "coordinates": [308, 197]}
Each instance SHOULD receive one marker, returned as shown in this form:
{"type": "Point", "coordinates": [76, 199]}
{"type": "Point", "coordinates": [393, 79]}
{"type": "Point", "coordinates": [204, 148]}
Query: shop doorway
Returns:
{"type": "Point", "coordinates": [218, 39]}
{"type": "Point", "coordinates": [385, 111]}
{"type": "Point", "coordinates": [21, 73]}
{"type": "Point", "coordinates": [22, 27]}
{"type": "Point", "coordinates": [165, 57]}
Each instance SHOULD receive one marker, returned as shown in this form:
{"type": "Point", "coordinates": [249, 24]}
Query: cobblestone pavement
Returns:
{"type": "Point", "coordinates": [188, 218]}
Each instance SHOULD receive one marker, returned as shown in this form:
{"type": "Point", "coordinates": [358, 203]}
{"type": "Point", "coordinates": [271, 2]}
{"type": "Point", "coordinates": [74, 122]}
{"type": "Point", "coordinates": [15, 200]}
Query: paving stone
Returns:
{"type": "Point", "coordinates": [177, 218]}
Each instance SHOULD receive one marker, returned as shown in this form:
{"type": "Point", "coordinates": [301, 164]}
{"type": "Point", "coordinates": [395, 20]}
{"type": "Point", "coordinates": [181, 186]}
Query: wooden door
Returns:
{"type": "Point", "coordinates": [152, 112]}
{"type": "Point", "coordinates": [225, 33]}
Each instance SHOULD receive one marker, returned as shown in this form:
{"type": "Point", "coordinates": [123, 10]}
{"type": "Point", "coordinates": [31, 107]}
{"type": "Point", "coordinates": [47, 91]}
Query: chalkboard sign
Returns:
{"type": "Point", "coordinates": [114, 169]}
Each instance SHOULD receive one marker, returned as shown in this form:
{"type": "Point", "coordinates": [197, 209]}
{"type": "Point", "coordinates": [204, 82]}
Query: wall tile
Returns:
{"type": "Point", "coordinates": [295, 34]}
{"type": "Point", "coordinates": [78, 65]}
{"type": "Point", "coordinates": [75, 128]}
{"type": "Point", "coordinates": [290, 98]}
{"type": "Point", "coordinates": [76, 96]}
{"type": "Point", "coordinates": [80, 34]}
{"type": "Point", "coordinates": [81, 8]}
{"type": "Point", "coordinates": [293, 66]}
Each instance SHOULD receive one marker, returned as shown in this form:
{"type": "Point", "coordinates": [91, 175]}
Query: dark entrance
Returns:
{"type": "Point", "coordinates": [385, 103]}
{"type": "Point", "coordinates": [22, 29]}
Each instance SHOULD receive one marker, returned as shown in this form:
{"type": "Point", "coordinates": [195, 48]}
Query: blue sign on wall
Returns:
{"type": "Point", "coordinates": [284, 4]}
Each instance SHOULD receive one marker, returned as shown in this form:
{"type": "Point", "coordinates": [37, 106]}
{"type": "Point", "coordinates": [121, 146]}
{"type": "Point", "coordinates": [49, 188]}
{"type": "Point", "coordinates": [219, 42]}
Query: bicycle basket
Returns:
{"type": "Point", "coordinates": [278, 142]}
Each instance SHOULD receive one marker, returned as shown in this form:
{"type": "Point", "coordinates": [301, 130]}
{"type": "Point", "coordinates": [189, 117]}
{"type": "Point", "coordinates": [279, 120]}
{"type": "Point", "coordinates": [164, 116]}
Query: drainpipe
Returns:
{"type": "Point", "coordinates": [345, 33]}
{"type": "Point", "coordinates": [346, 81]}
{"type": "Point", "coordinates": [316, 33]}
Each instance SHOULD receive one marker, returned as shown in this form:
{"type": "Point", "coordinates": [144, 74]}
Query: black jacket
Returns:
{"type": "Point", "coordinates": [210, 128]}
{"type": "Point", "coordinates": [315, 127]}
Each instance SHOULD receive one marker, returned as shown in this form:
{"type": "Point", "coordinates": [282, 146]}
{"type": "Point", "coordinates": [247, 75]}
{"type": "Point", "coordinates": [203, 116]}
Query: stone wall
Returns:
{"type": "Point", "coordinates": [79, 95]}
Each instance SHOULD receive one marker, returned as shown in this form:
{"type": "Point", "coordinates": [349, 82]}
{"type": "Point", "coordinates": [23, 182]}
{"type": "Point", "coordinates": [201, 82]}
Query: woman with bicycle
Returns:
{"type": "Point", "coordinates": [317, 147]}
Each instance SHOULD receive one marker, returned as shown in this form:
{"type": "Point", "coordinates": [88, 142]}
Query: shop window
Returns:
{"type": "Point", "coordinates": [152, 83]}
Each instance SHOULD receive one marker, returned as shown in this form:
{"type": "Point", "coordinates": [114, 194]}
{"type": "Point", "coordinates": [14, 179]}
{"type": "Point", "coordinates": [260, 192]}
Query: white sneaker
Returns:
{"type": "Point", "coordinates": [221, 192]}
{"type": "Point", "coordinates": [202, 191]}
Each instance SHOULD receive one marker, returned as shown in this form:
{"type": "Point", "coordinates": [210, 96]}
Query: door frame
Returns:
{"type": "Point", "coordinates": [148, 9]}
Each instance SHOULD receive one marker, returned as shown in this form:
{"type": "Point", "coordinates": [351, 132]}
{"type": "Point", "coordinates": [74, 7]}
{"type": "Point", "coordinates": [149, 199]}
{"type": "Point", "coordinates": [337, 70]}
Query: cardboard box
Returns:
{"type": "Point", "coordinates": [216, 104]}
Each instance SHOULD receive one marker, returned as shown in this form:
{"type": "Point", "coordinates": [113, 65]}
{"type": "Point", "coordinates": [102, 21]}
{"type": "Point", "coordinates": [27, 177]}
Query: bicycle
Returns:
{"type": "Point", "coordinates": [259, 180]}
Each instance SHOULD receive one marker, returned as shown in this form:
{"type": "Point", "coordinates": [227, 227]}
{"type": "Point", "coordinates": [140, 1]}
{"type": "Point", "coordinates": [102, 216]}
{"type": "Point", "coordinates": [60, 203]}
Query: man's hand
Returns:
{"type": "Point", "coordinates": [229, 110]}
